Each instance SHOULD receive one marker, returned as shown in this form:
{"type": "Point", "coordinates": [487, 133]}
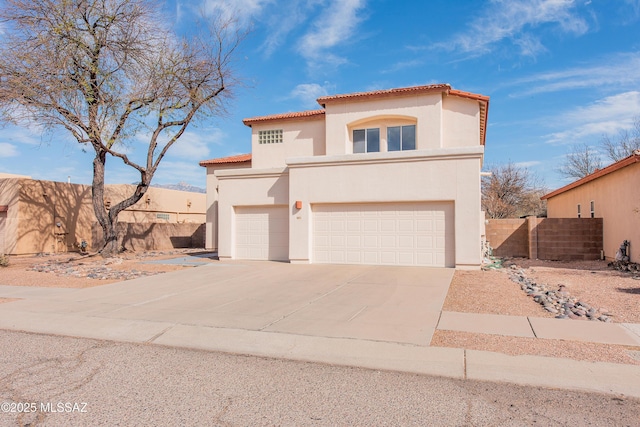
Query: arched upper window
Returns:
{"type": "Point", "coordinates": [383, 133]}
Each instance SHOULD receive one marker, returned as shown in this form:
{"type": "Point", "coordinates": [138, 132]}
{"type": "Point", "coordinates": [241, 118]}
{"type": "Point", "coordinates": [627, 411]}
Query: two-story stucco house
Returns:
{"type": "Point", "coordinates": [385, 177]}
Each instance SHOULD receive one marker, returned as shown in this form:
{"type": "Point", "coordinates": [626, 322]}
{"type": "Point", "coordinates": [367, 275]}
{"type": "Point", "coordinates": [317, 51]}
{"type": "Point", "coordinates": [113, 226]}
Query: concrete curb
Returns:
{"type": "Point", "coordinates": [447, 362]}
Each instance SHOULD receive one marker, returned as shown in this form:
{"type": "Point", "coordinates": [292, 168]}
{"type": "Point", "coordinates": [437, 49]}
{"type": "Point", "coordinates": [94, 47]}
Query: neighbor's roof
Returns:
{"type": "Point", "coordinates": [386, 93]}
{"type": "Point", "coordinates": [240, 158]}
{"type": "Point", "coordinates": [634, 158]}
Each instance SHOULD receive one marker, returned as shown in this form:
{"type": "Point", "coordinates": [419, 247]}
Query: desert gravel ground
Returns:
{"type": "Point", "coordinates": [492, 292]}
{"type": "Point", "coordinates": [150, 385]}
{"type": "Point", "coordinates": [17, 273]}
{"type": "Point", "coordinates": [591, 281]}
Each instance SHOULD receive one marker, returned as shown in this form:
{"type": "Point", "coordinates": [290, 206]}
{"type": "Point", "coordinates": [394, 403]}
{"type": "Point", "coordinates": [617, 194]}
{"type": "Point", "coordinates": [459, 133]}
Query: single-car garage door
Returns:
{"type": "Point", "coordinates": [262, 232]}
{"type": "Point", "coordinates": [384, 233]}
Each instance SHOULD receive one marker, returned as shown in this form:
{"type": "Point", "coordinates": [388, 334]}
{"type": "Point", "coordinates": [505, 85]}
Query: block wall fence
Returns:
{"type": "Point", "coordinates": [557, 239]}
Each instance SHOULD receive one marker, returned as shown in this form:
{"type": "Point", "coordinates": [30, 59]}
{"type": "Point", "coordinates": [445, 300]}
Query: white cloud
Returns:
{"type": "Point", "coordinates": [309, 92]}
{"type": "Point", "coordinates": [527, 164]}
{"type": "Point", "coordinates": [193, 145]}
{"type": "Point", "coordinates": [621, 70]}
{"type": "Point", "coordinates": [337, 23]}
{"type": "Point", "coordinates": [605, 116]}
{"type": "Point", "coordinates": [172, 172]}
{"type": "Point", "coordinates": [512, 20]}
{"type": "Point", "coordinates": [8, 150]}
{"type": "Point", "coordinates": [244, 11]}
{"type": "Point", "coordinates": [283, 21]}
{"type": "Point", "coordinates": [403, 65]}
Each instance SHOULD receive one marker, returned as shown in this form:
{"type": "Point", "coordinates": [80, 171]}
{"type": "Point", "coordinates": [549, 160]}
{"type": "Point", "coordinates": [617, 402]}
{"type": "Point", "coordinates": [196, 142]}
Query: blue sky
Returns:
{"type": "Point", "coordinates": [559, 72]}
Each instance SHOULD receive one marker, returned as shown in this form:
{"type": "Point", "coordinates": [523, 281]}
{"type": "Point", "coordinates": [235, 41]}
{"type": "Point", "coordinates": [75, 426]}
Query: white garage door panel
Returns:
{"type": "Point", "coordinates": [384, 233]}
{"type": "Point", "coordinates": [262, 233]}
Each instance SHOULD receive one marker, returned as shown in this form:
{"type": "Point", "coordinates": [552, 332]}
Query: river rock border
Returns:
{"type": "Point", "coordinates": [557, 301]}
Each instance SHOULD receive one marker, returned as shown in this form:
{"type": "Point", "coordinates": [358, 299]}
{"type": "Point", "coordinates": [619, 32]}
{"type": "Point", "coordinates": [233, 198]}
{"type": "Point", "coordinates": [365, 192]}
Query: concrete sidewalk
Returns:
{"type": "Point", "coordinates": [627, 334]}
{"type": "Point", "coordinates": [366, 316]}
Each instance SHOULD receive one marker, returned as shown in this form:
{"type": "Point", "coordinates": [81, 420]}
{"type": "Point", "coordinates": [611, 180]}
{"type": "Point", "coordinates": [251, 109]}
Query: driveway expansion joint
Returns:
{"type": "Point", "coordinates": [159, 334]}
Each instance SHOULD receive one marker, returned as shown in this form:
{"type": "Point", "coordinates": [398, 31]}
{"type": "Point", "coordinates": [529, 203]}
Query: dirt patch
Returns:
{"type": "Point", "coordinates": [516, 346]}
{"type": "Point", "coordinates": [76, 271]}
{"type": "Point", "coordinates": [490, 292]}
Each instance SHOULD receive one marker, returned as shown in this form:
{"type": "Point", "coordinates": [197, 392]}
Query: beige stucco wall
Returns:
{"type": "Point", "coordinates": [430, 175]}
{"type": "Point", "coordinates": [445, 167]}
{"type": "Point", "coordinates": [425, 109]}
{"type": "Point", "coordinates": [248, 187]}
{"type": "Point", "coordinates": [181, 206]}
{"type": "Point", "coordinates": [211, 233]}
{"type": "Point", "coordinates": [460, 122]}
{"type": "Point", "coordinates": [617, 201]}
{"type": "Point", "coordinates": [299, 138]}
{"type": "Point", "coordinates": [9, 193]}
{"type": "Point", "coordinates": [47, 216]}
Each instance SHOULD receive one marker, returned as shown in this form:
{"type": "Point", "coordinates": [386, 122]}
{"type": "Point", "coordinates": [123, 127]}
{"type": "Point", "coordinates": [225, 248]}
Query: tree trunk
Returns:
{"type": "Point", "coordinates": [108, 219]}
{"type": "Point", "coordinates": [110, 246]}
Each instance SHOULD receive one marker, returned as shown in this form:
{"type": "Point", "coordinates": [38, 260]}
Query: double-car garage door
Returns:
{"type": "Point", "coordinates": [384, 233]}
{"type": "Point", "coordinates": [418, 233]}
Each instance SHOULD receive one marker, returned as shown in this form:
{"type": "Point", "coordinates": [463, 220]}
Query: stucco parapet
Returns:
{"type": "Point", "coordinates": [457, 153]}
{"type": "Point", "coordinates": [250, 173]}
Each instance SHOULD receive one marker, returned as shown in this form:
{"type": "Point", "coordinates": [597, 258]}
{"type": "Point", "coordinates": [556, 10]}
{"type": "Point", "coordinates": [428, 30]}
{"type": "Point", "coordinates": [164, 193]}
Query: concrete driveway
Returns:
{"type": "Point", "coordinates": [392, 304]}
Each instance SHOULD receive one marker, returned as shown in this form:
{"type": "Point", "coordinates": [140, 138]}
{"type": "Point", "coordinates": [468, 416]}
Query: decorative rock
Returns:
{"type": "Point", "coordinates": [558, 301]}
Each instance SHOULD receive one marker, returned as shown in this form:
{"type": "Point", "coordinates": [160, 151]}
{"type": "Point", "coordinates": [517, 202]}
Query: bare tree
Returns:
{"type": "Point", "coordinates": [625, 144]}
{"type": "Point", "coordinates": [106, 71]}
{"type": "Point", "coordinates": [580, 161]}
{"type": "Point", "coordinates": [511, 191]}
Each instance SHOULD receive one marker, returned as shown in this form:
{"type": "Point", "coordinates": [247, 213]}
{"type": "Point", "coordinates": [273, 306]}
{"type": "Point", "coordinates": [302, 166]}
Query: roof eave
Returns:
{"type": "Point", "coordinates": [634, 158]}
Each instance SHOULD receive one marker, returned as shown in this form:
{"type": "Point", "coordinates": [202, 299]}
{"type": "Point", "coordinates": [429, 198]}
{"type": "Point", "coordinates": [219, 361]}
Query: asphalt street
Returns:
{"type": "Point", "coordinates": [63, 381]}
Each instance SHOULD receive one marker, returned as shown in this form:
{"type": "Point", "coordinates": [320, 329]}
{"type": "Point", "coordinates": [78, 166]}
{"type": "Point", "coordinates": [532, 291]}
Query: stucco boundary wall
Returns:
{"type": "Point", "coordinates": [153, 236]}
{"type": "Point", "coordinates": [556, 239]}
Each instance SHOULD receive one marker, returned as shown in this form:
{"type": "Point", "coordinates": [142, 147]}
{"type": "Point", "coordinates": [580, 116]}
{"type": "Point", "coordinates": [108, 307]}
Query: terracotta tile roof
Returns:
{"type": "Point", "coordinates": [377, 94]}
{"type": "Point", "coordinates": [284, 116]}
{"type": "Point", "coordinates": [240, 158]}
{"type": "Point", "coordinates": [634, 158]}
{"type": "Point", "coordinates": [443, 87]}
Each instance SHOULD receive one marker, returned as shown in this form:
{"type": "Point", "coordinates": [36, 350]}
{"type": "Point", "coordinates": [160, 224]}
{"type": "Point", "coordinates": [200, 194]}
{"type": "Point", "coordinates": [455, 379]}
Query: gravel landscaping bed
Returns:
{"type": "Point", "coordinates": [73, 270]}
{"type": "Point", "coordinates": [603, 288]}
{"type": "Point", "coordinates": [592, 283]}
{"type": "Point", "coordinates": [516, 346]}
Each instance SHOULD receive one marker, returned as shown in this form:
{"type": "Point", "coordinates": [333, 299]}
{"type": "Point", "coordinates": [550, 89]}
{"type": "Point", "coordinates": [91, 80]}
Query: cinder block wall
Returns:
{"type": "Point", "coordinates": [560, 239]}
{"type": "Point", "coordinates": [508, 237]}
{"type": "Point", "coordinates": [566, 239]}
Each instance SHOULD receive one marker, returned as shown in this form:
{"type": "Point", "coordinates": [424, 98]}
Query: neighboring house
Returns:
{"type": "Point", "coordinates": [611, 193]}
{"type": "Point", "coordinates": [44, 216]}
{"type": "Point", "coordinates": [385, 177]}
